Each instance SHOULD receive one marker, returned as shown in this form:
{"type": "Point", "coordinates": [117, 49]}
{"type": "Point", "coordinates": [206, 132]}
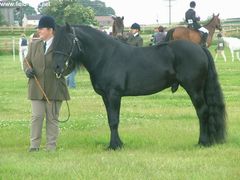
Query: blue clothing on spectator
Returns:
{"type": "Point", "coordinates": [71, 79]}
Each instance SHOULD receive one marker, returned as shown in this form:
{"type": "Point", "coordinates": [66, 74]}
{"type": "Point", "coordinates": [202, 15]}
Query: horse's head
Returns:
{"type": "Point", "coordinates": [217, 22]}
{"type": "Point", "coordinates": [118, 26]}
{"type": "Point", "coordinates": [66, 46]}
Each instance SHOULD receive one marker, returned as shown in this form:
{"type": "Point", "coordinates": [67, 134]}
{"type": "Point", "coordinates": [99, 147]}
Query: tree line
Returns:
{"type": "Point", "coordinates": [72, 11]}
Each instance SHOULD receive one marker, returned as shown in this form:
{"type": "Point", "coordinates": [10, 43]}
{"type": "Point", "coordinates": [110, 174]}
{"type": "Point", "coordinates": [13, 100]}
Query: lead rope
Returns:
{"type": "Point", "coordinates": [54, 108]}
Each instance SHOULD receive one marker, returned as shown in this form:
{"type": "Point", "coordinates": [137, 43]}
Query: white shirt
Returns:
{"type": "Point", "coordinates": [135, 34]}
{"type": "Point", "coordinates": [48, 44]}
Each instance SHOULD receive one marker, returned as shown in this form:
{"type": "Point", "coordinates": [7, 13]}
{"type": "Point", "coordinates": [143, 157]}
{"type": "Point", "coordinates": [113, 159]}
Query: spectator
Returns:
{"type": "Point", "coordinates": [23, 48]}
{"type": "Point", "coordinates": [134, 38]}
{"type": "Point", "coordinates": [71, 79]}
{"type": "Point", "coordinates": [159, 35]}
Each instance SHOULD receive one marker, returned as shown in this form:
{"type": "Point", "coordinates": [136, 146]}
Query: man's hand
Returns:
{"type": "Point", "coordinates": [30, 73]}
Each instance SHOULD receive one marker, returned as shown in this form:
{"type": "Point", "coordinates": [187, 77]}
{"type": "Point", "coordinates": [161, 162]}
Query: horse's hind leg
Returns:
{"type": "Point", "coordinates": [232, 53]}
{"type": "Point", "coordinates": [202, 111]}
{"type": "Point", "coordinates": [112, 103]}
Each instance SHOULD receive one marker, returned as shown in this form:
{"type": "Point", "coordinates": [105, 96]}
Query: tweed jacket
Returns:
{"type": "Point", "coordinates": [42, 64]}
{"type": "Point", "coordinates": [135, 40]}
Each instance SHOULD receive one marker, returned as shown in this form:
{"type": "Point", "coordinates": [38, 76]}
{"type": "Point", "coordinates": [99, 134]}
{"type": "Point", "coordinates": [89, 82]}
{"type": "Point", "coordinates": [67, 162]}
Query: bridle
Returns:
{"type": "Point", "coordinates": [75, 41]}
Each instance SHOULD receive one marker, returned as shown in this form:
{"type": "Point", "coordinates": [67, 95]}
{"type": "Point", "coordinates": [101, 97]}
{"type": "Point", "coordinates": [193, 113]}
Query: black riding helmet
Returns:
{"type": "Point", "coordinates": [192, 4]}
{"type": "Point", "coordinates": [136, 26]}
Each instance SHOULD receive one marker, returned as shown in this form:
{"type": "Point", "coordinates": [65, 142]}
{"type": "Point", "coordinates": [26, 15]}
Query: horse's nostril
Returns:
{"type": "Point", "coordinates": [58, 68]}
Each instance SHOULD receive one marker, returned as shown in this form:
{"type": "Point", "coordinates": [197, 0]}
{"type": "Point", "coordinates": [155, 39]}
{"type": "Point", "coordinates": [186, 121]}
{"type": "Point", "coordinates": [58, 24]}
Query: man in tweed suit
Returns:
{"type": "Point", "coordinates": [40, 60]}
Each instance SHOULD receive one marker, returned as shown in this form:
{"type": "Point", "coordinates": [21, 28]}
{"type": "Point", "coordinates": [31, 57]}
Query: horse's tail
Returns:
{"type": "Point", "coordinates": [215, 101]}
{"type": "Point", "coordinates": [169, 35]}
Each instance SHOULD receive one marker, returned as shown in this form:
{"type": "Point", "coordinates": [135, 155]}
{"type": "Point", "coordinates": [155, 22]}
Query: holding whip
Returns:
{"type": "Point", "coordinates": [45, 90]}
{"type": "Point", "coordinates": [31, 74]}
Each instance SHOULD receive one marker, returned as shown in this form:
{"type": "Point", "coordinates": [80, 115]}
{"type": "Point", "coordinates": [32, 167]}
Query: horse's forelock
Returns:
{"type": "Point", "coordinates": [61, 38]}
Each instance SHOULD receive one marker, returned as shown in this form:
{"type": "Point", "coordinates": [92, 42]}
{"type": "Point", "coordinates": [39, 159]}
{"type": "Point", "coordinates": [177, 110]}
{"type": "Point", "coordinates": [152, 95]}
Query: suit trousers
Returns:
{"type": "Point", "coordinates": [41, 109]}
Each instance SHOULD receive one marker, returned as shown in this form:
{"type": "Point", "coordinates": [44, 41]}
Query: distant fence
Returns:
{"type": "Point", "coordinates": [10, 45]}
{"type": "Point", "coordinates": [231, 28]}
{"type": "Point", "coordinates": [16, 31]}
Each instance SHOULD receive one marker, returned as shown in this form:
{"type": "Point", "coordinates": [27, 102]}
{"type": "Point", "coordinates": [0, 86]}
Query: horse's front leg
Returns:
{"type": "Point", "coordinates": [112, 103]}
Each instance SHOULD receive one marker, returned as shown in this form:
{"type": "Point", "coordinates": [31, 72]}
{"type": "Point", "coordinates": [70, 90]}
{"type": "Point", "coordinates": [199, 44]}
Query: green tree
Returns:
{"type": "Point", "coordinates": [77, 14]}
{"type": "Point", "coordinates": [99, 7]}
{"type": "Point", "coordinates": [68, 11]}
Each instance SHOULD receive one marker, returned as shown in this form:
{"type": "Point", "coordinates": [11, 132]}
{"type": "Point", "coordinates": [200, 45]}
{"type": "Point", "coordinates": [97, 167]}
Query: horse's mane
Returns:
{"type": "Point", "coordinates": [210, 21]}
{"type": "Point", "coordinates": [88, 32]}
{"type": "Point", "coordinates": [96, 34]}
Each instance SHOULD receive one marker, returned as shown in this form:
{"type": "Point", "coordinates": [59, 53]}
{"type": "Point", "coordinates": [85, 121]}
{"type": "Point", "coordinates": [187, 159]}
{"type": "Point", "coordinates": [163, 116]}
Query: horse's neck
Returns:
{"type": "Point", "coordinates": [92, 42]}
{"type": "Point", "coordinates": [211, 29]}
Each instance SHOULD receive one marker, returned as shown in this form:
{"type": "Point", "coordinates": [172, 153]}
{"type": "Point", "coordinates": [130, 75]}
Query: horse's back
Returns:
{"type": "Point", "coordinates": [188, 50]}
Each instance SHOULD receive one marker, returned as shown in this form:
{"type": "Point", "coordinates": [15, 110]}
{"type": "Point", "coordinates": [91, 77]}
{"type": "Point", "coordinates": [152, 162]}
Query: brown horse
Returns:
{"type": "Point", "coordinates": [193, 35]}
{"type": "Point", "coordinates": [118, 26]}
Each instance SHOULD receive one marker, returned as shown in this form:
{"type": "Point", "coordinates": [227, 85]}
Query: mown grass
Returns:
{"type": "Point", "coordinates": [160, 134]}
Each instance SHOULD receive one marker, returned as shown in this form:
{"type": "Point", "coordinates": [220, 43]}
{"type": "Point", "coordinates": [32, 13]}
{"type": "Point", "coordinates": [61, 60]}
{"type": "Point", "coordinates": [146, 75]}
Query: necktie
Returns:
{"type": "Point", "coordinates": [44, 46]}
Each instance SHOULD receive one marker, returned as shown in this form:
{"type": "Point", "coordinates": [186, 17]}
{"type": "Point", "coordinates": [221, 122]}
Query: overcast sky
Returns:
{"type": "Point", "coordinates": [149, 11]}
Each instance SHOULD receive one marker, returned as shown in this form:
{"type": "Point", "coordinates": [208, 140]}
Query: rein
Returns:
{"type": "Point", "coordinates": [68, 117]}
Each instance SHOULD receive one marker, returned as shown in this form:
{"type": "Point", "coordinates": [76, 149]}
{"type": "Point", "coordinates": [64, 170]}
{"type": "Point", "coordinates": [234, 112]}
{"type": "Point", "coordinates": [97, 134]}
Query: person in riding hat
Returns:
{"type": "Point", "coordinates": [135, 39]}
{"type": "Point", "coordinates": [193, 22]}
{"type": "Point", "coordinates": [38, 67]}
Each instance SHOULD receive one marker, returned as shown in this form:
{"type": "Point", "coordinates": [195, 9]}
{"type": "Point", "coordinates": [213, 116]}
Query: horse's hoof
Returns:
{"type": "Point", "coordinates": [204, 144]}
{"type": "Point", "coordinates": [174, 87]}
{"type": "Point", "coordinates": [115, 146]}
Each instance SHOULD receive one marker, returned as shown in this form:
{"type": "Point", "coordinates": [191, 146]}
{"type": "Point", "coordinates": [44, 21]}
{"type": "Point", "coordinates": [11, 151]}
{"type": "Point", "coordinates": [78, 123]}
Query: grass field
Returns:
{"type": "Point", "coordinates": [160, 134]}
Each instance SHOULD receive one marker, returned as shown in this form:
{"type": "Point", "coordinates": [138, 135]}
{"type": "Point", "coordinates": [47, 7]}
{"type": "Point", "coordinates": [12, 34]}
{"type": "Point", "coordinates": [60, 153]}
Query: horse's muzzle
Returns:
{"type": "Point", "coordinates": [58, 71]}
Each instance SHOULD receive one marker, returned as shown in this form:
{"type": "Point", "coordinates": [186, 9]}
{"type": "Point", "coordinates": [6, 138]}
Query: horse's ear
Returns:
{"type": "Point", "coordinates": [68, 27]}
{"type": "Point", "coordinates": [122, 17]}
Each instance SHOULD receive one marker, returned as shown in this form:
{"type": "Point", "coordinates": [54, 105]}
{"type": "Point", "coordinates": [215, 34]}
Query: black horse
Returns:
{"type": "Point", "coordinates": [117, 69]}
